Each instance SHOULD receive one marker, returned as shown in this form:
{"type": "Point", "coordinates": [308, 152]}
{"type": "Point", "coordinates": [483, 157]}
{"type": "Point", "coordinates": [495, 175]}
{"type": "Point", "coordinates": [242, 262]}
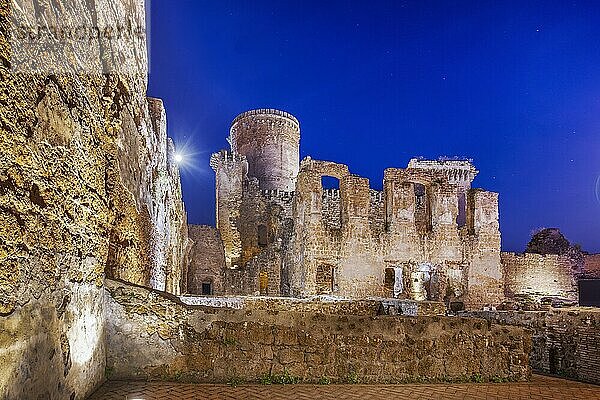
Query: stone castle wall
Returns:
{"type": "Point", "coordinates": [566, 341]}
{"type": "Point", "coordinates": [206, 260]}
{"type": "Point", "coordinates": [154, 336]}
{"type": "Point", "coordinates": [86, 186]}
{"type": "Point", "coordinates": [537, 275]}
{"type": "Point", "coordinates": [591, 266]}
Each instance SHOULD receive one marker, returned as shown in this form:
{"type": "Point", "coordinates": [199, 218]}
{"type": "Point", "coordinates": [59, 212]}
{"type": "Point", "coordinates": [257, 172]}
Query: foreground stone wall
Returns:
{"type": "Point", "coordinates": [154, 336]}
{"type": "Point", "coordinates": [566, 341]}
{"type": "Point", "coordinates": [86, 185]}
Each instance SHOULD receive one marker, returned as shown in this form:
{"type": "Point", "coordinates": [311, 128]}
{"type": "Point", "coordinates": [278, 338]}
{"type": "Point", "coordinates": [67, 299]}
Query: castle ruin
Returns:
{"type": "Point", "coordinates": [98, 267]}
{"type": "Point", "coordinates": [426, 236]}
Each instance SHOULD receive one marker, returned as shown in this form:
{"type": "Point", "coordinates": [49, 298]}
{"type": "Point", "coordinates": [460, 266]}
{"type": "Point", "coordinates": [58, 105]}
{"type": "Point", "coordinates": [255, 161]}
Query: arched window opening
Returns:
{"type": "Point", "coordinates": [329, 182]}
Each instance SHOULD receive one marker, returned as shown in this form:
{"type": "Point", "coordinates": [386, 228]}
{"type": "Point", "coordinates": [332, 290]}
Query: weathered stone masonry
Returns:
{"type": "Point", "coordinates": [537, 275]}
{"type": "Point", "coordinates": [565, 341]}
{"type": "Point", "coordinates": [427, 235]}
{"type": "Point", "coordinates": [207, 254]}
{"type": "Point", "coordinates": [153, 336]}
{"type": "Point", "coordinates": [87, 185]}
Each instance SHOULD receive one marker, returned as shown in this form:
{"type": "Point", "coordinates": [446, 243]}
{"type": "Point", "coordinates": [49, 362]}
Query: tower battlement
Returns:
{"type": "Point", "coordinates": [264, 112]}
{"type": "Point", "coordinates": [224, 157]}
{"type": "Point", "coordinates": [458, 171]}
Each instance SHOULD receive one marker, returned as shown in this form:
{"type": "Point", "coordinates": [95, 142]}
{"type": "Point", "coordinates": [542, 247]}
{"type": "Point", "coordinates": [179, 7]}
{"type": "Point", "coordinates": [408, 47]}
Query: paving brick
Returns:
{"type": "Point", "coordinates": [540, 387]}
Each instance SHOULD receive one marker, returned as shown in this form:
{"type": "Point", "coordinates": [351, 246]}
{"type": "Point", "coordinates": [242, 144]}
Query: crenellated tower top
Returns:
{"type": "Point", "coordinates": [270, 141]}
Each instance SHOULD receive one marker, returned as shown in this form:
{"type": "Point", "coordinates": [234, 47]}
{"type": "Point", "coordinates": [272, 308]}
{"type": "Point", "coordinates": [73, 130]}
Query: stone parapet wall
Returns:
{"type": "Point", "coordinates": [155, 336]}
{"type": "Point", "coordinates": [321, 304]}
{"type": "Point", "coordinates": [565, 342]}
{"type": "Point", "coordinates": [282, 198]}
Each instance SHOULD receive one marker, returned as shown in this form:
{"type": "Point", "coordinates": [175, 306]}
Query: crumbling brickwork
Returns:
{"type": "Point", "coordinates": [438, 236]}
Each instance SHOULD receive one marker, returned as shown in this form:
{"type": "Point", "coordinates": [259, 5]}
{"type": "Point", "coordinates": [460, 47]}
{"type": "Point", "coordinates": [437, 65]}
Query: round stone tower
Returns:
{"type": "Point", "coordinates": [270, 140]}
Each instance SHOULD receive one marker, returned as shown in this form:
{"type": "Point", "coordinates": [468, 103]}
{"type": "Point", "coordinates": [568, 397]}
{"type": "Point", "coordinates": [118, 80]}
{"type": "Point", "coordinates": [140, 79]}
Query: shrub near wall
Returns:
{"type": "Point", "coordinates": [151, 335]}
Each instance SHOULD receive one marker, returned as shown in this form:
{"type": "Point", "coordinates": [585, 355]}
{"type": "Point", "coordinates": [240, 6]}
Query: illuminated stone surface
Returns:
{"type": "Point", "coordinates": [154, 336]}
{"type": "Point", "coordinates": [86, 186]}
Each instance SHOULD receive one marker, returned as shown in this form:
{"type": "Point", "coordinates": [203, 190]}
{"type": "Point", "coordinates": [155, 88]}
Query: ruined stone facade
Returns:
{"type": "Point", "coordinates": [549, 272]}
{"type": "Point", "coordinates": [426, 235]}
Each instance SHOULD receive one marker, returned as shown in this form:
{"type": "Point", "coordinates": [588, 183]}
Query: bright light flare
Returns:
{"type": "Point", "coordinates": [188, 160]}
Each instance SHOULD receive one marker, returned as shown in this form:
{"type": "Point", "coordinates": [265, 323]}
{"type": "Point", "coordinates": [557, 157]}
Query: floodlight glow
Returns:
{"type": "Point", "coordinates": [178, 158]}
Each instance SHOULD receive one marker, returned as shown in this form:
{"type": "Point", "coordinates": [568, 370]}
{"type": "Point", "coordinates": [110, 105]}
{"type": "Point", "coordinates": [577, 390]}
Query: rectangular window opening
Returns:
{"type": "Point", "coordinates": [207, 288]}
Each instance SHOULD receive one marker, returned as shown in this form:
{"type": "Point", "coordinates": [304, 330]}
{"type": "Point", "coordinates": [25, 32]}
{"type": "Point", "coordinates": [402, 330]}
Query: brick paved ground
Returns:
{"type": "Point", "coordinates": [540, 387]}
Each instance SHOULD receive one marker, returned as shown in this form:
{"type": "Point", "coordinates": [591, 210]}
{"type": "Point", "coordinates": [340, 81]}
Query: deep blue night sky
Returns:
{"type": "Point", "coordinates": [515, 85]}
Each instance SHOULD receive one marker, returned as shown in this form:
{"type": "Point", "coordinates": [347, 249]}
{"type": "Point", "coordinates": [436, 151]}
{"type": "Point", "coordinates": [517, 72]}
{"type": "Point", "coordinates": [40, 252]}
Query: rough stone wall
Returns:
{"type": "Point", "coordinates": [485, 285]}
{"type": "Point", "coordinates": [565, 342]}
{"type": "Point", "coordinates": [85, 186]}
{"type": "Point", "coordinates": [206, 259]}
{"type": "Point", "coordinates": [148, 241]}
{"type": "Point", "coordinates": [331, 210]}
{"type": "Point", "coordinates": [322, 304]}
{"type": "Point", "coordinates": [537, 276]}
{"type": "Point", "coordinates": [591, 269]}
{"type": "Point", "coordinates": [230, 173]}
{"type": "Point", "coordinates": [158, 337]}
